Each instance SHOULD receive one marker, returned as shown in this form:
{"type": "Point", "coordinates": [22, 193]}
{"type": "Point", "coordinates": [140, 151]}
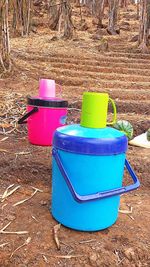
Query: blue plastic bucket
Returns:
{"type": "Point", "coordinates": [87, 175]}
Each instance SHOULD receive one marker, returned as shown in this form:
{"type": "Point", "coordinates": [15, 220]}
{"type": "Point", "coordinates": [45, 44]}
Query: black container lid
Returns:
{"type": "Point", "coordinates": [47, 102]}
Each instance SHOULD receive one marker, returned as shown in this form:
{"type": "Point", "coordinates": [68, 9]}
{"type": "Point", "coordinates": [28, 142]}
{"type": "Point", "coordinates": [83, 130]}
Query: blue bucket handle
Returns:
{"type": "Point", "coordinates": [99, 195]}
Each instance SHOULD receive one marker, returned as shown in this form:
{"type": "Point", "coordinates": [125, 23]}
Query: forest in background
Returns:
{"type": "Point", "coordinates": [16, 19]}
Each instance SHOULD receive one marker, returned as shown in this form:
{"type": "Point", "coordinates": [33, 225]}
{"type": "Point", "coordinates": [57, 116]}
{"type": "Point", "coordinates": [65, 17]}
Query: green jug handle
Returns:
{"type": "Point", "coordinates": [115, 112]}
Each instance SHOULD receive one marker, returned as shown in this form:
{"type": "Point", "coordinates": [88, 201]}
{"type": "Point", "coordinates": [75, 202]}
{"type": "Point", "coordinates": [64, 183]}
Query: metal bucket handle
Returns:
{"type": "Point", "coordinates": [99, 195]}
{"type": "Point", "coordinates": [23, 119]}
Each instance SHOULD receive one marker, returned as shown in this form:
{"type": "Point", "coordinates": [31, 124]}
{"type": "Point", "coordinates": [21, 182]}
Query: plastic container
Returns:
{"type": "Point", "coordinates": [95, 108]}
{"type": "Point", "coordinates": [45, 113]}
{"type": "Point", "coordinates": [47, 88]}
{"type": "Point", "coordinates": [87, 176]}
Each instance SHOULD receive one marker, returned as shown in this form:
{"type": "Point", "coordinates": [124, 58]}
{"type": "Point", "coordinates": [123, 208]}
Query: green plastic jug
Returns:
{"type": "Point", "coordinates": [94, 110]}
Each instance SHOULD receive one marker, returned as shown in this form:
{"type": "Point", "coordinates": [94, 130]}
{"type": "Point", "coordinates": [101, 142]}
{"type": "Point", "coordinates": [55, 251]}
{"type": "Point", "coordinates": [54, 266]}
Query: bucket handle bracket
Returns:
{"type": "Point", "coordinates": [28, 114]}
{"type": "Point", "coordinates": [98, 195]}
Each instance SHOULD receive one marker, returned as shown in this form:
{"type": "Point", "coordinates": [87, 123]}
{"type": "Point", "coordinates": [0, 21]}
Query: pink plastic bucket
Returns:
{"type": "Point", "coordinates": [43, 117]}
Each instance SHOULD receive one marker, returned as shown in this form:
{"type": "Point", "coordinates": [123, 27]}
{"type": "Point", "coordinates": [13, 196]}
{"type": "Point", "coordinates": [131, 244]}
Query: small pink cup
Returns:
{"type": "Point", "coordinates": [47, 88]}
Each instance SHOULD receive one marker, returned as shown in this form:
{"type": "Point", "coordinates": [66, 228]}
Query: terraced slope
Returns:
{"type": "Point", "coordinates": [124, 75]}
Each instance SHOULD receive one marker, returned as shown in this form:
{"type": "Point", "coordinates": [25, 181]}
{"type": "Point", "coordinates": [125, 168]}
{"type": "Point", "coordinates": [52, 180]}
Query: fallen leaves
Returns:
{"type": "Point", "coordinates": [87, 241]}
{"type": "Point", "coordinates": [126, 211]}
{"type": "Point", "coordinates": [11, 109]}
{"type": "Point", "coordinates": [56, 231]}
{"type": "Point", "coordinates": [33, 217]}
{"type": "Point", "coordinates": [3, 245]}
{"type": "Point", "coordinates": [45, 259]}
{"type": "Point", "coordinates": [27, 241]}
{"type": "Point", "coordinates": [2, 231]}
{"type": "Point", "coordinates": [63, 256]}
{"type": "Point", "coordinates": [3, 150]}
{"type": "Point", "coordinates": [26, 199]}
{"type": "Point", "coordinates": [119, 259]}
{"type": "Point", "coordinates": [23, 153]}
{"type": "Point", "coordinates": [3, 139]}
{"type": "Point", "coordinates": [8, 193]}
{"type": "Point", "coordinates": [67, 256]}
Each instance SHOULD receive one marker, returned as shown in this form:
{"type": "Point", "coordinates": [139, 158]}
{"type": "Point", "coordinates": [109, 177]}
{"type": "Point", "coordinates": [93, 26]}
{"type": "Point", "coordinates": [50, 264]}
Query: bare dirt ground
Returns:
{"type": "Point", "coordinates": [77, 66]}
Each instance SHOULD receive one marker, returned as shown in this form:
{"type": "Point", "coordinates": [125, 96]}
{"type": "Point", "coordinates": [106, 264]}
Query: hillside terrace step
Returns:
{"type": "Point", "coordinates": [122, 74]}
{"type": "Point", "coordinates": [129, 55]}
{"type": "Point", "coordinates": [74, 58]}
{"type": "Point", "coordinates": [89, 82]}
{"type": "Point", "coordinates": [104, 77]}
{"type": "Point", "coordinates": [114, 92]}
{"type": "Point", "coordinates": [128, 106]}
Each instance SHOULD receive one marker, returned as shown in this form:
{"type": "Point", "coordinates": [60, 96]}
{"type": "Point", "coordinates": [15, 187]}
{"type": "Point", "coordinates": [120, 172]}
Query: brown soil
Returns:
{"type": "Point", "coordinates": [78, 66]}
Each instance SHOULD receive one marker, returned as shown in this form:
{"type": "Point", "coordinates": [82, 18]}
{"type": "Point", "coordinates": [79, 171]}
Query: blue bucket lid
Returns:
{"type": "Point", "coordinates": [77, 139]}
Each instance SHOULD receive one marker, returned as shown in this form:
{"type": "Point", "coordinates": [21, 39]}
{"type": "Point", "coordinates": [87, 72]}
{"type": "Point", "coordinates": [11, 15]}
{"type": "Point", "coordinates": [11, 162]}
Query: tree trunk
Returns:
{"type": "Point", "coordinates": [123, 4]}
{"type": "Point", "coordinates": [68, 25]}
{"type": "Point", "coordinates": [113, 16]}
{"type": "Point", "coordinates": [90, 4]}
{"type": "Point", "coordinates": [144, 25]}
{"type": "Point", "coordinates": [5, 60]}
{"type": "Point", "coordinates": [61, 18]}
{"type": "Point", "coordinates": [100, 5]}
{"type": "Point", "coordinates": [138, 10]}
{"type": "Point", "coordinates": [54, 14]}
{"type": "Point", "coordinates": [77, 3]}
{"type": "Point", "coordinates": [27, 17]}
{"type": "Point", "coordinates": [21, 16]}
